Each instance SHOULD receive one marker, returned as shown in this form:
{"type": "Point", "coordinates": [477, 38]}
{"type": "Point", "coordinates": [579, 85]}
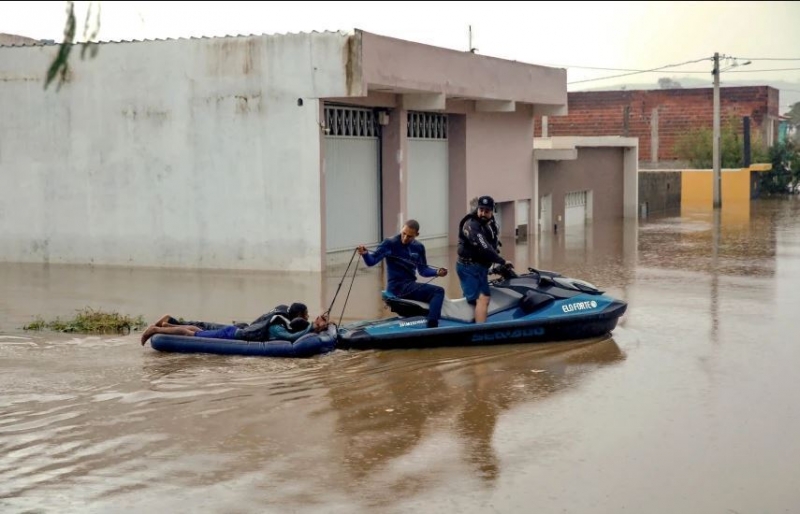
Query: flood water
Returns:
{"type": "Point", "coordinates": [691, 405]}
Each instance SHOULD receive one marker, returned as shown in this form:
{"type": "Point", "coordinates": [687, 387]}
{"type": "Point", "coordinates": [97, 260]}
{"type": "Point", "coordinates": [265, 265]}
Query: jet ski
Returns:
{"type": "Point", "coordinates": [537, 306]}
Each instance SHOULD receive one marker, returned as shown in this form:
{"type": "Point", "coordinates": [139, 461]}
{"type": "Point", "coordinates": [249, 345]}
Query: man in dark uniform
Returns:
{"type": "Point", "coordinates": [478, 249]}
{"type": "Point", "coordinates": [405, 257]}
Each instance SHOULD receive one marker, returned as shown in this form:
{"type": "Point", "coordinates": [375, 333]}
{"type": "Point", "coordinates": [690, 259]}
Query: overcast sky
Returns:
{"type": "Point", "coordinates": [629, 35]}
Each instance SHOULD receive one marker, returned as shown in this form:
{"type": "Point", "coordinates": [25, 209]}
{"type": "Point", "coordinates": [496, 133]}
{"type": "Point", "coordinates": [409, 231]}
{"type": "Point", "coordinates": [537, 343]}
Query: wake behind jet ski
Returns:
{"type": "Point", "coordinates": [537, 306]}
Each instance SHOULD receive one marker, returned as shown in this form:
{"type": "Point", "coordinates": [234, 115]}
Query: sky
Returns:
{"type": "Point", "coordinates": [572, 35]}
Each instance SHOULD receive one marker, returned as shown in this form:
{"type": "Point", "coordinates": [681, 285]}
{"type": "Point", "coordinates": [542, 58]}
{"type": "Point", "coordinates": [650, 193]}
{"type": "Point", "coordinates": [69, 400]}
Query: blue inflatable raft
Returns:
{"type": "Point", "coordinates": [306, 346]}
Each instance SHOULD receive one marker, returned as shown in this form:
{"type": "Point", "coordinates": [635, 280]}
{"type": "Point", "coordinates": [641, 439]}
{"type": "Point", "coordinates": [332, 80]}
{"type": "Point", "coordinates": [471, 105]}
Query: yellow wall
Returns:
{"type": "Point", "coordinates": [697, 192]}
{"type": "Point", "coordinates": [697, 186]}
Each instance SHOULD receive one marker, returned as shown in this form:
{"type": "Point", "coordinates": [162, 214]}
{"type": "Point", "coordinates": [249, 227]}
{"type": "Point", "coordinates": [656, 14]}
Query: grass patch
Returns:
{"type": "Point", "coordinates": [90, 321]}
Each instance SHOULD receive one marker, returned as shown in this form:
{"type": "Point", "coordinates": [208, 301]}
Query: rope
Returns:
{"type": "Point", "coordinates": [340, 284]}
{"type": "Point", "coordinates": [348, 292]}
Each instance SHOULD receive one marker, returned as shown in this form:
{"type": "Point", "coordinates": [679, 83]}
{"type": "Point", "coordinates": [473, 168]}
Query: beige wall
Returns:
{"type": "Point", "coordinates": [394, 153]}
{"type": "Point", "coordinates": [600, 170]}
{"type": "Point", "coordinates": [499, 162]}
{"type": "Point", "coordinates": [414, 67]}
{"type": "Point", "coordinates": [499, 156]}
{"type": "Point", "coordinates": [457, 140]}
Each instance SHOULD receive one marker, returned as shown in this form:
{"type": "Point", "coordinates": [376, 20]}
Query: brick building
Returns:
{"type": "Point", "coordinates": [659, 117]}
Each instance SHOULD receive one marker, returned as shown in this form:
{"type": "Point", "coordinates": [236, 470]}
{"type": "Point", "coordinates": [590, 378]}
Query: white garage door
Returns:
{"type": "Point", "coordinates": [575, 209]}
{"type": "Point", "coordinates": [428, 173]}
{"type": "Point", "coordinates": [352, 172]}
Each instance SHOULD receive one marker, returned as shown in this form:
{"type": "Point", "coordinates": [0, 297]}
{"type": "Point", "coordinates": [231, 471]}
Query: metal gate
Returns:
{"type": "Point", "coordinates": [575, 208]}
{"type": "Point", "coordinates": [546, 213]}
{"type": "Point", "coordinates": [428, 173]}
{"type": "Point", "coordinates": [352, 177]}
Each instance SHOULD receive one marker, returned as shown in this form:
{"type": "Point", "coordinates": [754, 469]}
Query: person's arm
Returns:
{"type": "Point", "coordinates": [422, 265]}
{"type": "Point", "coordinates": [478, 240]}
{"type": "Point", "coordinates": [373, 258]}
{"type": "Point", "coordinates": [279, 332]}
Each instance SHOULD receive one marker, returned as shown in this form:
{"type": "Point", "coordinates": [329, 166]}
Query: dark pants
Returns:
{"type": "Point", "coordinates": [429, 293]}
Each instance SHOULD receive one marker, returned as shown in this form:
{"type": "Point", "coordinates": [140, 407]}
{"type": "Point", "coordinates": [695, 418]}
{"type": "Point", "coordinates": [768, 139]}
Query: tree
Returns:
{"type": "Point", "coordinates": [668, 83]}
{"type": "Point", "coordinates": [91, 27]}
{"type": "Point", "coordinates": [784, 176]}
{"type": "Point", "coordinates": [794, 119]}
{"type": "Point", "coordinates": [696, 147]}
{"type": "Point", "coordinates": [794, 114]}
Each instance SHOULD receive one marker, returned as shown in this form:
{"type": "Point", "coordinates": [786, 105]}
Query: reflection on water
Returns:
{"type": "Point", "coordinates": [698, 378]}
{"type": "Point", "coordinates": [248, 431]}
{"type": "Point", "coordinates": [401, 400]}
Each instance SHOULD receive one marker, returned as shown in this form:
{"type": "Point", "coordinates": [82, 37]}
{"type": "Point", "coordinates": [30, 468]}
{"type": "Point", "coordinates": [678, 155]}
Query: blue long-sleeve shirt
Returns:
{"type": "Point", "coordinates": [402, 262]}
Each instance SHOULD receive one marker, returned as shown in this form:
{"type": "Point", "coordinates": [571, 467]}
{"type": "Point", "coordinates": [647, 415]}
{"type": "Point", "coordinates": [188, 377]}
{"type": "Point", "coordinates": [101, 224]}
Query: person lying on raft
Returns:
{"type": "Point", "coordinates": [276, 325]}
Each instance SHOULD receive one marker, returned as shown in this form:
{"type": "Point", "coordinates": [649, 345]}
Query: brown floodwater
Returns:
{"type": "Point", "coordinates": [689, 406]}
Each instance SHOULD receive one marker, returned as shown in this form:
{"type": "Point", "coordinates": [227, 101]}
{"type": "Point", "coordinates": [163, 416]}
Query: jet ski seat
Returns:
{"type": "Point", "coordinates": [459, 309]}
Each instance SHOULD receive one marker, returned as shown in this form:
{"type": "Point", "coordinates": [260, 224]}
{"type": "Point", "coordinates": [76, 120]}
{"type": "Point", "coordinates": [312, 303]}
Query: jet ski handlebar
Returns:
{"type": "Point", "coordinates": [505, 271]}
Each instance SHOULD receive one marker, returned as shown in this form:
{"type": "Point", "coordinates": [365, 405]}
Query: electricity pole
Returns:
{"type": "Point", "coordinates": [716, 136]}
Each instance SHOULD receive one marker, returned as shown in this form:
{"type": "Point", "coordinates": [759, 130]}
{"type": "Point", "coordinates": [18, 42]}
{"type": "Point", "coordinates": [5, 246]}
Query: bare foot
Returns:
{"type": "Point", "coordinates": [163, 321]}
{"type": "Point", "coordinates": [150, 332]}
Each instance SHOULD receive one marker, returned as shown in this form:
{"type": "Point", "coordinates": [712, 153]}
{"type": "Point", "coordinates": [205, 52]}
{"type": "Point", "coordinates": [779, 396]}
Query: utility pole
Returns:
{"type": "Point", "coordinates": [471, 48]}
{"type": "Point", "coordinates": [716, 136]}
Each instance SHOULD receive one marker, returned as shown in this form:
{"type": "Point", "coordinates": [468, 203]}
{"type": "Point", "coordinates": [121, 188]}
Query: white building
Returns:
{"type": "Point", "coordinates": [259, 152]}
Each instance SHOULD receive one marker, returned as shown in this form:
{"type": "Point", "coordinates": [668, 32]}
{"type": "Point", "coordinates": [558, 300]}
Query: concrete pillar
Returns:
{"type": "Point", "coordinates": [457, 158]}
{"type": "Point", "coordinates": [508, 215]}
{"type": "Point", "coordinates": [654, 136]}
{"type": "Point", "coordinates": [394, 157]}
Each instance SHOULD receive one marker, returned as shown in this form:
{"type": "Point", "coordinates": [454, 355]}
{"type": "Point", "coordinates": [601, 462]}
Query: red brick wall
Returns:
{"type": "Point", "coordinates": [628, 113]}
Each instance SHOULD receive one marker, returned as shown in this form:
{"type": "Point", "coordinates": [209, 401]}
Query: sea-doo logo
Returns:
{"type": "Point", "coordinates": [500, 335]}
{"type": "Point", "coordinates": [411, 323]}
{"type": "Point", "coordinates": [579, 306]}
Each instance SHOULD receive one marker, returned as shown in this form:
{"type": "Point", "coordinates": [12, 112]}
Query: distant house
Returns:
{"type": "Point", "coordinates": [659, 117]}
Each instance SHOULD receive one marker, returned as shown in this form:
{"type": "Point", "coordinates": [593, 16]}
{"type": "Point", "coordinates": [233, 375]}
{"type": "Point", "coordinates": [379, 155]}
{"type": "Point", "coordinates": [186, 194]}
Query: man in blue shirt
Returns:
{"type": "Point", "coordinates": [404, 258]}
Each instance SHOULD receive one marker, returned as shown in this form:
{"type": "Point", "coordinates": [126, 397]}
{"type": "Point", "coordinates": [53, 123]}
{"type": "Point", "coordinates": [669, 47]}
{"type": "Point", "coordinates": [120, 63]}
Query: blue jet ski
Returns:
{"type": "Point", "coordinates": [538, 306]}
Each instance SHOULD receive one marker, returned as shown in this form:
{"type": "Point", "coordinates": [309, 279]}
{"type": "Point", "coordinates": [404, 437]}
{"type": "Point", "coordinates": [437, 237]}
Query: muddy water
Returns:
{"type": "Point", "coordinates": [690, 406]}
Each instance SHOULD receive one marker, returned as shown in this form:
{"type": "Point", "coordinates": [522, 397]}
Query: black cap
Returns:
{"type": "Point", "coordinates": [486, 202]}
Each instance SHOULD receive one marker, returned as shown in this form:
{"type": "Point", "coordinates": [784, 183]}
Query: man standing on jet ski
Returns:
{"type": "Point", "coordinates": [404, 258]}
{"type": "Point", "coordinates": [478, 249]}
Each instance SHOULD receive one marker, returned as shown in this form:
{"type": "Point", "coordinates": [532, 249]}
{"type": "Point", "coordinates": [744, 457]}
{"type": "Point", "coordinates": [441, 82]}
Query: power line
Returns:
{"type": "Point", "coordinates": [588, 67]}
{"type": "Point", "coordinates": [759, 71]}
{"type": "Point", "coordinates": [640, 71]}
{"type": "Point", "coordinates": [770, 58]}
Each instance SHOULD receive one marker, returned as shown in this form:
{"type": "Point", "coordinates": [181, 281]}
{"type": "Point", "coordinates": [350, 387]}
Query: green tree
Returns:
{"type": "Point", "coordinates": [697, 148]}
{"type": "Point", "coordinates": [794, 114]}
{"type": "Point", "coordinates": [784, 176]}
{"type": "Point", "coordinates": [794, 120]}
{"type": "Point", "coordinates": [59, 67]}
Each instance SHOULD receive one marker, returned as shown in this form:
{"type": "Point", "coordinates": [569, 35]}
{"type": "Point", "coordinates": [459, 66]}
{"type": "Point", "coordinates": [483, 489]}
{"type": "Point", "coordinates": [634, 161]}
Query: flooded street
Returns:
{"type": "Point", "coordinates": [690, 406]}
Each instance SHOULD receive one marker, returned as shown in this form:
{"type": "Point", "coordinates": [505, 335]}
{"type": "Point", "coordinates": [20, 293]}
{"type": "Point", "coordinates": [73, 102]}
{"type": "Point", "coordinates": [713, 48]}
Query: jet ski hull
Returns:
{"type": "Point", "coordinates": [560, 321]}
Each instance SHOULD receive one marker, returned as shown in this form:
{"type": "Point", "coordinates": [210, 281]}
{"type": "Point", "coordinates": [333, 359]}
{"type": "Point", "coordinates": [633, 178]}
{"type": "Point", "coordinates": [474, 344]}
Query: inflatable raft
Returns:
{"type": "Point", "coordinates": [306, 346]}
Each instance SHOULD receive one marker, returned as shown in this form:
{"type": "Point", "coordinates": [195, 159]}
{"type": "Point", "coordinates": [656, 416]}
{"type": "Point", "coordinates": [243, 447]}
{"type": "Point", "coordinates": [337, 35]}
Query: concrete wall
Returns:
{"type": "Point", "coordinates": [600, 170]}
{"type": "Point", "coordinates": [418, 68]}
{"type": "Point", "coordinates": [660, 191]}
{"type": "Point", "coordinates": [499, 160]}
{"type": "Point", "coordinates": [697, 186]}
{"type": "Point", "coordinates": [676, 111]}
{"type": "Point", "coordinates": [186, 153]}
